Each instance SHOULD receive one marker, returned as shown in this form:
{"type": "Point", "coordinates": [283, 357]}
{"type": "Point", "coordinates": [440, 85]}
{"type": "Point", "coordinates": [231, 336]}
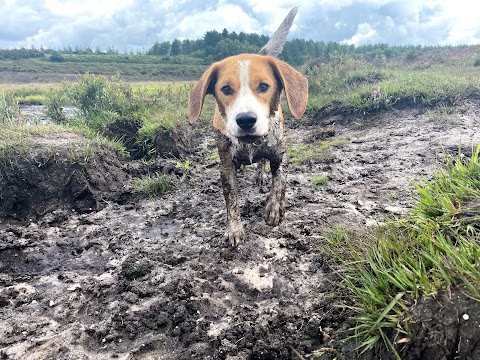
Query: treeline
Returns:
{"type": "Point", "coordinates": [213, 46]}
{"type": "Point", "coordinates": [217, 45]}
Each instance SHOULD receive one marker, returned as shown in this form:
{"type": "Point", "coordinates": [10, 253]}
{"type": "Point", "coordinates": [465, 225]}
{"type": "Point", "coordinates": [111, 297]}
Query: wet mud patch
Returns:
{"type": "Point", "coordinates": [152, 278]}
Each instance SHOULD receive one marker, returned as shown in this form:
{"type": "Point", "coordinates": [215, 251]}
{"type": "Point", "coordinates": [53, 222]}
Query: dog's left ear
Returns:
{"type": "Point", "coordinates": [295, 85]}
{"type": "Point", "coordinates": [203, 87]}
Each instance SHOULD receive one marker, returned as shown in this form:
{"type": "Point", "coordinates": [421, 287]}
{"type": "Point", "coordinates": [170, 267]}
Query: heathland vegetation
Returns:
{"type": "Point", "coordinates": [386, 270]}
{"type": "Point", "coordinates": [186, 59]}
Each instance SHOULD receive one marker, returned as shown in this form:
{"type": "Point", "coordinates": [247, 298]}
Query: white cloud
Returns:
{"type": "Point", "coordinates": [136, 25]}
{"type": "Point", "coordinates": [365, 34]}
{"type": "Point", "coordinates": [201, 22]}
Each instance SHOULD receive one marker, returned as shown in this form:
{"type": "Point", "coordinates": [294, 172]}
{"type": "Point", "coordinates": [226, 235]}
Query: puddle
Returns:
{"type": "Point", "coordinates": [36, 114]}
{"type": "Point", "coordinates": [162, 228]}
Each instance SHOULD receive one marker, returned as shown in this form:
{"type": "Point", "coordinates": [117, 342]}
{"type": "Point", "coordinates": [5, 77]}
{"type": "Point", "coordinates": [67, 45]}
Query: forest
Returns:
{"type": "Point", "coordinates": [217, 45]}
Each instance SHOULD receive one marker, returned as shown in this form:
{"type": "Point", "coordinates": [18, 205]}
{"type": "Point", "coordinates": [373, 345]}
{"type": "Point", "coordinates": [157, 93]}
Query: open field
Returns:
{"type": "Point", "coordinates": [111, 222]}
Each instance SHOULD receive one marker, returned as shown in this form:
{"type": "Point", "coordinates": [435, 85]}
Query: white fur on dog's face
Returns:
{"type": "Point", "coordinates": [246, 101]}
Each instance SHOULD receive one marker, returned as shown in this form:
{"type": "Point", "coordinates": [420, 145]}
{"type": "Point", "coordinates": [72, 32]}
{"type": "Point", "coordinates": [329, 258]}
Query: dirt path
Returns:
{"type": "Point", "coordinates": [152, 279]}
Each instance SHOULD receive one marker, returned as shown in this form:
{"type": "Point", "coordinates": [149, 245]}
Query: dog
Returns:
{"type": "Point", "coordinates": [249, 122]}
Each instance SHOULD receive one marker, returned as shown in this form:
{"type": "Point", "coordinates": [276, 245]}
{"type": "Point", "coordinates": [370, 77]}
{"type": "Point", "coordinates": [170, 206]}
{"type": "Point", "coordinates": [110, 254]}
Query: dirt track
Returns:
{"type": "Point", "coordinates": [133, 278]}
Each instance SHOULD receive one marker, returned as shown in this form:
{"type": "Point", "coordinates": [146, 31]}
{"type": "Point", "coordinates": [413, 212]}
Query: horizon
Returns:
{"type": "Point", "coordinates": [112, 50]}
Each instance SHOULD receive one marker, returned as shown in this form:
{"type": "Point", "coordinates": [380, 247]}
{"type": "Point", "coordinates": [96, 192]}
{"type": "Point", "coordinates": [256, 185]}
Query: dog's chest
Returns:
{"type": "Point", "coordinates": [267, 147]}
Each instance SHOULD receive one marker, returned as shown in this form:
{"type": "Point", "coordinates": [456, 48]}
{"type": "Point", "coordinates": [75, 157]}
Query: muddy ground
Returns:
{"type": "Point", "coordinates": [90, 271]}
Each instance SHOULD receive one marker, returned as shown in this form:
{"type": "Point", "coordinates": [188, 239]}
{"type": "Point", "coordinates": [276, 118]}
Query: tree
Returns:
{"type": "Point", "coordinates": [211, 38]}
{"type": "Point", "coordinates": [161, 49]}
{"type": "Point", "coordinates": [176, 48]}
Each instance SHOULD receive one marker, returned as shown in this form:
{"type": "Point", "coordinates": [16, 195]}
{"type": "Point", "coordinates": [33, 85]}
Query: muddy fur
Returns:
{"type": "Point", "coordinates": [234, 154]}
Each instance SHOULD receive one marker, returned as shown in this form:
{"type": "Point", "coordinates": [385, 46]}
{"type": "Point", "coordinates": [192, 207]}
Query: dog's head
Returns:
{"type": "Point", "coordinates": [247, 89]}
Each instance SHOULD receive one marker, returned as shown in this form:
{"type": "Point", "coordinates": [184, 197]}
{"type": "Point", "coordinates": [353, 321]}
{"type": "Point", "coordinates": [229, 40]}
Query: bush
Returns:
{"type": "Point", "coordinates": [100, 101]}
{"type": "Point", "coordinates": [56, 57]}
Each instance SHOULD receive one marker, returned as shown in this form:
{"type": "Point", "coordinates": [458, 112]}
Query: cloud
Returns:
{"type": "Point", "coordinates": [137, 25]}
{"type": "Point", "coordinates": [365, 34]}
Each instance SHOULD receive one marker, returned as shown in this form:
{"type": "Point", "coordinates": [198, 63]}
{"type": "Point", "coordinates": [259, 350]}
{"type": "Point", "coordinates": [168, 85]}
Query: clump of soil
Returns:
{"type": "Point", "coordinates": [177, 142]}
{"type": "Point", "coordinates": [152, 278]}
{"type": "Point", "coordinates": [60, 172]}
{"type": "Point", "coordinates": [445, 326]}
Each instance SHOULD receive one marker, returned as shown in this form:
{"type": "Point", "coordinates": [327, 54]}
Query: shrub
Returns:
{"type": "Point", "coordinates": [56, 57]}
{"type": "Point", "coordinates": [100, 101]}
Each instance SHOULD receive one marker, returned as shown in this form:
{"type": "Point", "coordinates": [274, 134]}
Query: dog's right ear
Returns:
{"type": "Point", "coordinates": [204, 86]}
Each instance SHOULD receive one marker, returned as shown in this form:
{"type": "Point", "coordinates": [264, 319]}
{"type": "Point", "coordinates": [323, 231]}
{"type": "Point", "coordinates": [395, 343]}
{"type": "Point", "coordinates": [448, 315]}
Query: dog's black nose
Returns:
{"type": "Point", "coordinates": [246, 120]}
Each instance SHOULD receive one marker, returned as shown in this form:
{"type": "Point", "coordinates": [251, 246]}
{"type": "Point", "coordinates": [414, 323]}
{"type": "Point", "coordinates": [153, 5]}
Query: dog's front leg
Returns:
{"type": "Point", "coordinates": [275, 209]}
{"type": "Point", "coordinates": [235, 233]}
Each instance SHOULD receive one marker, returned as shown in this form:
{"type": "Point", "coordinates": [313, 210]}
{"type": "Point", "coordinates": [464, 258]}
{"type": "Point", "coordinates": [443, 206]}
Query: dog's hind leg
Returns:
{"type": "Point", "coordinates": [275, 208]}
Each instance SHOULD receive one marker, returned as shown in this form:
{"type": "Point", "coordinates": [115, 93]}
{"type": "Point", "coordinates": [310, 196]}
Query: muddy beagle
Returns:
{"type": "Point", "coordinates": [249, 121]}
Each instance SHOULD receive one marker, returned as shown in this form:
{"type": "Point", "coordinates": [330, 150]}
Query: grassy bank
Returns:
{"type": "Point", "coordinates": [363, 87]}
{"type": "Point", "coordinates": [435, 247]}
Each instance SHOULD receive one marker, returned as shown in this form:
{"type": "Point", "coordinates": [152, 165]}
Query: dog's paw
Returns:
{"type": "Point", "coordinates": [275, 211]}
{"type": "Point", "coordinates": [235, 234]}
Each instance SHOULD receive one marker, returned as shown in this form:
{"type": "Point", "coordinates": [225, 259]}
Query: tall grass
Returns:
{"type": "Point", "coordinates": [9, 111]}
{"type": "Point", "coordinates": [435, 247]}
{"type": "Point", "coordinates": [363, 87]}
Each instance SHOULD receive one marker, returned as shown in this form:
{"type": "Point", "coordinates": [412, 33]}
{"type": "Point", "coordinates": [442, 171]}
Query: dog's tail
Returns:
{"type": "Point", "coordinates": [274, 46]}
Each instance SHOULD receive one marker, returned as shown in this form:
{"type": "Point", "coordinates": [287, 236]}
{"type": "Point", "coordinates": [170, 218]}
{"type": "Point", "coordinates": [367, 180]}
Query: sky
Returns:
{"type": "Point", "coordinates": [133, 25]}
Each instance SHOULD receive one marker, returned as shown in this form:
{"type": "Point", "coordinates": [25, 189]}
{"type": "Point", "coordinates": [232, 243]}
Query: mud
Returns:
{"type": "Point", "coordinates": [138, 278]}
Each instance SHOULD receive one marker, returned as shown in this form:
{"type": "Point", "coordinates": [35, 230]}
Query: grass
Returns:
{"type": "Point", "coordinates": [30, 94]}
{"type": "Point", "coordinates": [84, 155]}
{"type": "Point", "coordinates": [15, 135]}
{"type": "Point", "coordinates": [148, 68]}
{"type": "Point", "coordinates": [320, 180]}
{"type": "Point", "coordinates": [153, 185]}
{"type": "Point", "coordinates": [442, 113]}
{"type": "Point", "coordinates": [102, 101]}
{"type": "Point", "coordinates": [435, 247]}
{"type": "Point", "coordinates": [303, 153]}
{"type": "Point", "coordinates": [362, 87]}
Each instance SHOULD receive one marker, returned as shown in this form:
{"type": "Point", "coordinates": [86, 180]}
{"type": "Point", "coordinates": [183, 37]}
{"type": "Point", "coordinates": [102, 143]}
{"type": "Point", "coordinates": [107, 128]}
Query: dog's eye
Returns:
{"type": "Point", "coordinates": [263, 88]}
{"type": "Point", "coordinates": [227, 90]}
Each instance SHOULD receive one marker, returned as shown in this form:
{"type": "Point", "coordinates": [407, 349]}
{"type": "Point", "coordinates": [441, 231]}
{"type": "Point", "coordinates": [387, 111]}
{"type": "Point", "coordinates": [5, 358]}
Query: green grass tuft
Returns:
{"type": "Point", "coordinates": [433, 248]}
{"type": "Point", "coordinates": [303, 153]}
{"type": "Point", "coordinates": [320, 180]}
{"type": "Point", "coordinates": [153, 185]}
